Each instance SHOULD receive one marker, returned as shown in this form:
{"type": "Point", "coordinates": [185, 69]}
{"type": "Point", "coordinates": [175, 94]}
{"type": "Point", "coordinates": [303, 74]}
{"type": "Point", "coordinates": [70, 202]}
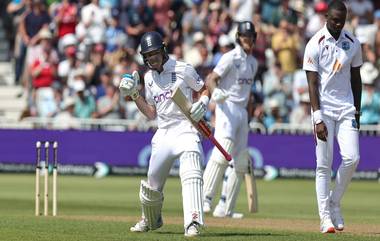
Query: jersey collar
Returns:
{"type": "Point", "coordinates": [329, 36]}
{"type": "Point", "coordinates": [240, 51]}
{"type": "Point", "coordinates": [168, 64]}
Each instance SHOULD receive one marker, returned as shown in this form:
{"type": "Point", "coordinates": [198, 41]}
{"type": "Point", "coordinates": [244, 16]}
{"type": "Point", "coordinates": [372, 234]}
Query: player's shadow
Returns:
{"type": "Point", "coordinates": [242, 234]}
{"type": "Point", "coordinates": [169, 232]}
{"type": "Point", "coordinates": [230, 234]}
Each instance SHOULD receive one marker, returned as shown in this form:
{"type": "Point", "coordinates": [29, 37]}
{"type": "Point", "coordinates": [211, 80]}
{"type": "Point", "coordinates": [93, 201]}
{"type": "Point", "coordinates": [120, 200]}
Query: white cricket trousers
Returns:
{"type": "Point", "coordinates": [167, 146]}
{"type": "Point", "coordinates": [347, 136]}
{"type": "Point", "coordinates": [183, 143]}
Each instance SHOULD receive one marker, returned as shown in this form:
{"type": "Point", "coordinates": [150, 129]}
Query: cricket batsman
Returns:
{"type": "Point", "coordinates": [175, 137]}
{"type": "Point", "coordinates": [230, 84]}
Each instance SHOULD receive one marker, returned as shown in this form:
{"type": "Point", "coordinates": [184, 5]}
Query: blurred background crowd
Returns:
{"type": "Point", "coordinates": [69, 55]}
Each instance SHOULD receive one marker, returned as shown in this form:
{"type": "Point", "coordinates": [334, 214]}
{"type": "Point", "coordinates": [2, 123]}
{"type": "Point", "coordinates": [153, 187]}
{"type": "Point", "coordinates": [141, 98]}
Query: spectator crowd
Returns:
{"type": "Point", "coordinates": [70, 54]}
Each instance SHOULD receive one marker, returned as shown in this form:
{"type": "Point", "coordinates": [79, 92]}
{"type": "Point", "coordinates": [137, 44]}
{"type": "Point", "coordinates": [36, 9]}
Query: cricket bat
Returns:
{"type": "Point", "coordinates": [250, 184]}
{"type": "Point", "coordinates": [184, 105]}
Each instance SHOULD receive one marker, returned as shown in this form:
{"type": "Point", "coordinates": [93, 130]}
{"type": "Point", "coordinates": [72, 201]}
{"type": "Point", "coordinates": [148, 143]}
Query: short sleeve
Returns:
{"type": "Point", "coordinates": [311, 57]}
{"type": "Point", "coordinates": [192, 78]}
{"type": "Point", "coordinates": [255, 67]}
{"type": "Point", "coordinates": [223, 65]}
{"type": "Point", "coordinates": [148, 91]}
{"type": "Point", "coordinates": [357, 60]}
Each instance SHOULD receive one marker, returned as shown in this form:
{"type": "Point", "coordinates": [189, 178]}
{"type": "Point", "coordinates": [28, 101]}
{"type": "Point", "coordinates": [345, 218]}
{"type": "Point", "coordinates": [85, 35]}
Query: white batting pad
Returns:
{"type": "Point", "coordinates": [217, 156]}
{"type": "Point", "coordinates": [219, 210]}
{"type": "Point", "coordinates": [234, 179]}
{"type": "Point", "coordinates": [232, 190]}
{"type": "Point", "coordinates": [242, 162]}
{"type": "Point", "coordinates": [215, 169]}
{"type": "Point", "coordinates": [190, 171]}
{"type": "Point", "coordinates": [151, 202]}
{"type": "Point", "coordinates": [225, 178]}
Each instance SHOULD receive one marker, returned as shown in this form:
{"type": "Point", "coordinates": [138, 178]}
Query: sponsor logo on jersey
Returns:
{"type": "Point", "coordinates": [337, 66]}
{"type": "Point", "coordinates": [166, 95]}
{"type": "Point", "coordinates": [245, 81]}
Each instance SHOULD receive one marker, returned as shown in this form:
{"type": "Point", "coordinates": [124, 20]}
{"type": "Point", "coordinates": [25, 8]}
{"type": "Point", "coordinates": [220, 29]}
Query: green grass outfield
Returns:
{"type": "Point", "coordinates": [104, 209]}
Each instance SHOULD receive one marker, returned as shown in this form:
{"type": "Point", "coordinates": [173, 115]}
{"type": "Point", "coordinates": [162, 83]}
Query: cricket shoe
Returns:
{"type": "Point", "coordinates": [326, 225]}
{"type": "Point", "coordinates": [140, 227]}
{"type": "Point", "coordinates": [192, 230]}
{"type": "Point", "coordinates": [337, 219]}
{"type": "Point", "coordinates": [220, 212]}
{"type": "Point", "coordinates": [206, 207]}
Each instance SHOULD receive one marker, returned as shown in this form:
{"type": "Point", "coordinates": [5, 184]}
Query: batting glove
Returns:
{"type": "Point", "coordinates": [219, 95]}
{"type": "Point", "coordinates": [129, 84]}
{"type": "Point", "coordinates": [199, 108]}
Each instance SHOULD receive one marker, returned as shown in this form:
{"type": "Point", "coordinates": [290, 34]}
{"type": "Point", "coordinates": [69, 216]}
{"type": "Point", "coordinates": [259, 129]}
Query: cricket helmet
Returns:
{"type": "Point", "coordinates": [152, 41]}
{"type": "Point", "coordinates": [246, 28]}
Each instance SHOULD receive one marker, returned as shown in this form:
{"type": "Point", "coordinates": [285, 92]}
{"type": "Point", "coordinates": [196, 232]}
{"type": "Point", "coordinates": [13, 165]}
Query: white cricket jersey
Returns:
{"type": "Point", "coordinates": [159, 88]}
{"type": "Point", "coordinates": [332, 60]}
{"type": "Point", "coordinates": [237, 71]}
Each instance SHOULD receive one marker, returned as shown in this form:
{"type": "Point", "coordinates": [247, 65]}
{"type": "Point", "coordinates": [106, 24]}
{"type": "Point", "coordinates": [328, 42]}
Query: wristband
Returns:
{"type": "Point", "coordinates": [135, 95]}
{"type": "Point", "coordinates": [317, 116]}
{"type": "Point", "coordinates": [204, 99]}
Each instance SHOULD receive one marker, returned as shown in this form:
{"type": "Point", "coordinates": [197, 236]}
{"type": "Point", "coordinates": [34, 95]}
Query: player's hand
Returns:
{"type": "Point", "coordinates": [199, 108]}
{"type": "Point", "coordinates": [357, 119]}
{"type": "Point", "coordinates": [219, 95]}
{"type": "Point", "coordinates": [321, 131]}
{"type": "Point", "coordinates": [129, 85]}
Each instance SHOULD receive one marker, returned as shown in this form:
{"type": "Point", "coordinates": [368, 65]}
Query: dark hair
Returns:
{"type": "Point", "coordinates": [337, 5]}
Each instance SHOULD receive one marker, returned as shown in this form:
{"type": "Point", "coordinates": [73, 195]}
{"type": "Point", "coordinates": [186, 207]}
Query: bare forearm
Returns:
{"type": "Point", "coordinates": [148, 110]}
{"type": "Point", "coordinates": [12, 7]}
{"type": "Point", "coordinates": [357, 92]}
{"type": "Point", "coordinates": [204, 91]}
{"type": "Point", "coordinates": [356, 86]}
{"type": "Point", "coordinates": [312, 80]}
{"type": "Point", "coordinates": [212, 81]}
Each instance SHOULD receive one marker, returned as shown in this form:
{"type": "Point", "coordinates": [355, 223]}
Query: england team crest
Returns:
{"type": "Point", "coordinates": [237, 64]}
{"type": "Point", "coordinates": [345, 45]}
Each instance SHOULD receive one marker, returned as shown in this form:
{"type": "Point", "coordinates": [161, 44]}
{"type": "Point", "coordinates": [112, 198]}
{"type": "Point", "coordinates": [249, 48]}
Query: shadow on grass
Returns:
{"type": "Point", "coordinates": [168, 232]}
{"type": "Point", "coordinates": [242, 234]}
{"type": "Point", "coordinates": [229, 234]}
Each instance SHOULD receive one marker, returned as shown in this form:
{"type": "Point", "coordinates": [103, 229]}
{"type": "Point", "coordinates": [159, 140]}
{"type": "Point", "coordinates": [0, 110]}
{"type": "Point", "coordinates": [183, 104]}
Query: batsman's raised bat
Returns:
{"type": "Point", "coordinates": [184, 105]}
